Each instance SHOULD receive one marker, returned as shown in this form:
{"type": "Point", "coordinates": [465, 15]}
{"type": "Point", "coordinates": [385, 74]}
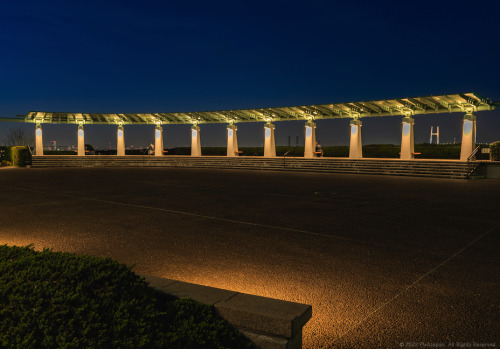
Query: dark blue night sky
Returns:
{"type": "Point", "coordinates": [164, 56]}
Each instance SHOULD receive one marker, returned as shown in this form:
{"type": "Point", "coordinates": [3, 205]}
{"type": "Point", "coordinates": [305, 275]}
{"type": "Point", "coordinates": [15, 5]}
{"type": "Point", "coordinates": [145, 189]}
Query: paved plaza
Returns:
{"type": "Point", "coordinates": [384, 261]}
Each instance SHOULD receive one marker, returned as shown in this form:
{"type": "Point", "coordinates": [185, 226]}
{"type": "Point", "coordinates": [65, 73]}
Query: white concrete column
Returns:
{"type": "Point", "coordinates": [232, 140]}
{"type": "Point", "coordinates": [120, 141]}
{"type": "Point", "coordinates": [269, 143]}
{"type": "Point", "coordinates": [195, 141]}
{"type": "Point", "coordinates": [407, 142]}
{"type": "Point", "coordinates": [158, 140]}
{"type": "Point", "coordinates": [39, 140]}
{"type": "Point", "coordinates": [468, 136]}
{"type": "Point", "coordinates": [356, 149]}
{"type": "Point", "coordinates": [81, 140]}
{"type": "Point", "coordinates": [310, 142]}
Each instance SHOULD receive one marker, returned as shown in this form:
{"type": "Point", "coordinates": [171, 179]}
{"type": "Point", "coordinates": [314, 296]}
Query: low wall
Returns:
{"type": "Point", "coordinates": [493, 171]}
{"type": "Point", "coordinates": [490, 170]}
{"type": "Point", "coordinates": [268, 323]}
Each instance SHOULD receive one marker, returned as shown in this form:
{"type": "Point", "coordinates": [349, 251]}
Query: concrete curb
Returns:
{"type": "Point", "coordinates": [269, 323]}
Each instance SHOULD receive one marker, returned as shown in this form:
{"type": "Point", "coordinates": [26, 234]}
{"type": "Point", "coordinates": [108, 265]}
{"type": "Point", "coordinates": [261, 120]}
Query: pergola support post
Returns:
{"type": "Point", "coordinates": [407, 141]}
{"type": "Point", "coordinates": [310, 139]}
{"type": "Point", "coordinates": [81, 140]}
{"type": "Point", "coordinates": [158, 140]}
{"type": "Point", "coordinates": [356, 148]}
{"type": "Point", "coordinates": [232, 140]}
{"type": "Point", "coordinates": [120, 141]}
{"type": "Point", "coordinates": [39, 140]}
{"type": "Point", "coordinates": [269, 142]}
{"type": "Point", "coordinates": [468, 135]}
{"type": "Point", "coordinates": [195, 141]}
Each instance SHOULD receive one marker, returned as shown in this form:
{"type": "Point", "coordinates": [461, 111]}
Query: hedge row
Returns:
{"type": "Point", "coordinates": [63, 300]}
{"type": "Point", "coordinates": [427, 151]}
{"type": "Point", "coordinates": [15, 156]}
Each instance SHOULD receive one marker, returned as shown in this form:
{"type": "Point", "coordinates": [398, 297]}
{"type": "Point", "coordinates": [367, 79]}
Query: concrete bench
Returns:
{"type": "Point", "coordinates": [267, 322]}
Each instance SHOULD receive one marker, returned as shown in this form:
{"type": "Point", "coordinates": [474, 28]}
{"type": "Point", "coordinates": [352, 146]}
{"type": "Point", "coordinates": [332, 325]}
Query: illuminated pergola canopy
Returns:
{"type": "Point", "coordinates": [462, 102]}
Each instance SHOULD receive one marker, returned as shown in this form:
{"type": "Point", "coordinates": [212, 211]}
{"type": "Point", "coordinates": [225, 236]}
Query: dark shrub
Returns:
{"type": "Point", "coordinates": [15, 156]}
{"type": "Point", "coordinates": [54, 300]}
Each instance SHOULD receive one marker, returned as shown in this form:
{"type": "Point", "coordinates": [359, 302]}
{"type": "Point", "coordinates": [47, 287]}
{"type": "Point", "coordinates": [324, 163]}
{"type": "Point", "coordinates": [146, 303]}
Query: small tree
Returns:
{"type": "Point", "coordinates": [18, 137]}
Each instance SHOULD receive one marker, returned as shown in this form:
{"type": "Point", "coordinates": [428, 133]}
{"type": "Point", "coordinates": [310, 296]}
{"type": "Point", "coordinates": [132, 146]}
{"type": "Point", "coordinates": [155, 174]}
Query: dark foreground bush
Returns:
{"type": "Point", "coordinates": [62, 300]}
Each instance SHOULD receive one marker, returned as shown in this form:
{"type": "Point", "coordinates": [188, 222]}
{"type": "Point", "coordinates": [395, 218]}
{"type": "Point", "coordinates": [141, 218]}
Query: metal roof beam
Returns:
{"type": "Point", "coordinates": [428, 104]}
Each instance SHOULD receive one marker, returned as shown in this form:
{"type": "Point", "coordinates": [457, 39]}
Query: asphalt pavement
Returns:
{"type": "Point", "coordinates": [384, 261]}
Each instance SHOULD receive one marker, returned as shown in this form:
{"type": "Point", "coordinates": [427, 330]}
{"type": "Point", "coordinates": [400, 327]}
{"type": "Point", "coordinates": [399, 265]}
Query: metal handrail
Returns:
{"type": "Point", "coordinates": [474, 152]}
{"type": "Point", "coordinates": [472, 166]}
{"type": "Point", "coordinates": [31, 155]}
{"type": "Point", "coordinates": [289, 151]}
{"type": "Point", "coordinates": [284, 156]}
{"type": "Point", "coordinates": [144, 155]}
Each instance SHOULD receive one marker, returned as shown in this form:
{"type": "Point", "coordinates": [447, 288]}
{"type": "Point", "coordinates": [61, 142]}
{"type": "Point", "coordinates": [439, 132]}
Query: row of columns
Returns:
{"type": "Point", "coordinates": [355, 149]}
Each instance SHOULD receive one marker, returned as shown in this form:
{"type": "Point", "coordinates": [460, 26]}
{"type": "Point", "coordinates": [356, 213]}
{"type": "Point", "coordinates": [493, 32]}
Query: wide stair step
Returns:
{"type": "Point", "coordinates": [420, 168]}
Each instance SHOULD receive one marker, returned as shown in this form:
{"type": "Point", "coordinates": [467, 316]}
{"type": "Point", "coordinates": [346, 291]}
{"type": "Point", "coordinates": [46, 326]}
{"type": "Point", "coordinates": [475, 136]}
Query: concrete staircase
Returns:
{"type": "Point", "coordinates": [394, 167]}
